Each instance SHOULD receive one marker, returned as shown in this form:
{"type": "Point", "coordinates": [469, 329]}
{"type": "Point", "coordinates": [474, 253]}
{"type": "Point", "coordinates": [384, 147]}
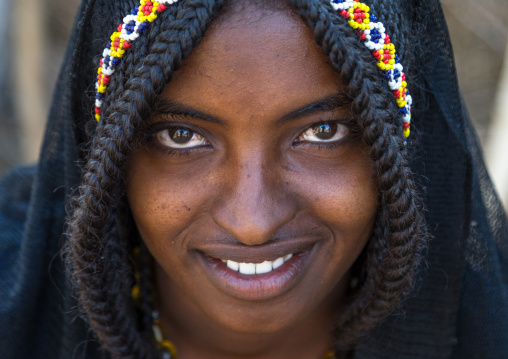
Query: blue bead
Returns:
{"type": "Point", "coordinates": [373, 18]}
{"type": "Point", "coordinates": [116, 61]}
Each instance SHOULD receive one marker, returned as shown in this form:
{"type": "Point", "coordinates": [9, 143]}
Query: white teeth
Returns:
{"type": "Point", "coordinates": [232, 265]}
{"type": "Point", "coordinates": [247, 268]}
{"type": "Point", "coordinates": [256, 268]}
{"type": "Point", "coordinates": [264, 267]}
{"type": "Point", "coordinates": [277, 263]}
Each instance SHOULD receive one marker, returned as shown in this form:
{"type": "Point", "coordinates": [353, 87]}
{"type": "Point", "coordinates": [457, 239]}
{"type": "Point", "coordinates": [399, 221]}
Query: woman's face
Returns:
{"type": "Point", "coordinates": [253, 158]}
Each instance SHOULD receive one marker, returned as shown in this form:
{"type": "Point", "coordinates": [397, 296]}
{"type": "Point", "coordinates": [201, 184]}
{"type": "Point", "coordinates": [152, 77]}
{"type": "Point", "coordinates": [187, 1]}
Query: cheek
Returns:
{"type": "Point", "coordinates": [163, 199]}
{"type": "Point", "coordinates": [343, 195]}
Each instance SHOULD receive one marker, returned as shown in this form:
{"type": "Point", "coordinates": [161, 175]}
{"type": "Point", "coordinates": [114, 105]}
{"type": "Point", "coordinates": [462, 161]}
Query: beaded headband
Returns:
{"type": "Point", "coordinates": [371, 32]}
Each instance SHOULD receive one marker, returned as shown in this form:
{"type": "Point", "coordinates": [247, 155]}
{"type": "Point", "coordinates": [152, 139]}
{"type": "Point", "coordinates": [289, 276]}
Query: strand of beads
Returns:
{"type": "Point", "coordinates": [374, 37]}
{"type": "Point", "coordinates": [127, 32]}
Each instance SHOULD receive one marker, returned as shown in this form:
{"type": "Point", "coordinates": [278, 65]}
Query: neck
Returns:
{"type": "Point", "coordinates": [196, 335]}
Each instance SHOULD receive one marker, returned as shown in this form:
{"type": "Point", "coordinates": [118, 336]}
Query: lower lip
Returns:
{"type": "Point", "coordinates": [257, 286]}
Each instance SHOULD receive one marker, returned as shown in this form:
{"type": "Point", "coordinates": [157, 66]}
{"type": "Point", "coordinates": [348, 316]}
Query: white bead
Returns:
{"type": "Point", "coordinates": [129, 18]}
{"type": "Point", "coordinates": [108, 71]}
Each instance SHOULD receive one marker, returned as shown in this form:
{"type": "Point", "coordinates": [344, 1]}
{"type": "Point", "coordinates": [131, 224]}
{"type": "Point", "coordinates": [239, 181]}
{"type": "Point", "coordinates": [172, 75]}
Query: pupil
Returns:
{"type": "Point", "coordinates": [325, 131]}
{"type": "Point", "coordinates": [180, 135]}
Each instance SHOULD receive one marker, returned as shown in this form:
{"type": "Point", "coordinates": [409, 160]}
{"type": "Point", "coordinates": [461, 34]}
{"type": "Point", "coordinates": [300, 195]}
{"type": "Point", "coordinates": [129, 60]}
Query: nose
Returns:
{"type": "Point", "coordinates": [254, 202]}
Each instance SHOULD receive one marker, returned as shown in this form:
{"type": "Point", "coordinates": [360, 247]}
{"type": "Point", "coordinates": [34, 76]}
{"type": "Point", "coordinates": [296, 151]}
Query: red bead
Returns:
{"type": "Point", "coordinates": [358, 10]}
{"type": "Point", "coordinates": [403, 77]}
{"type": "Point", "coordinates": [149, 3]}
{"type": "Point", "coordinates": [387, 39]}
{"type": "Point", "coordinates": [405, 125]}
{"type": "Point", "coordinates": [359, 21]}
{"type": "Point", "coordinates": [161, 8]}
{"type": "Point", "coordinates": [396, 93]}
{"type": "Point", "coordinates": [147, 13]}
{"type": "Point", "coordinates": [344, 13]}
{"type": "Point", "coordinates": [98, 111]}
{"type": "Point", "coordinates": [362, 35]}
{"type": "Point", "coordinates": [126, 44]}
{"type": "Point", "coordinates": [105, 79]}
{"type": "Point", "coordinates": [119, 28]}
{"type": "Point", "coordinates": [363, 15]}
{"type": "Point", "coordinates": [386, 61]}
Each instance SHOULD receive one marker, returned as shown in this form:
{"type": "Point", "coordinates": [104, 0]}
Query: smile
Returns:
{"type": "Point", "coordinates": [245, 274]}
{"type": "Point", "coordinates": [256, 268]}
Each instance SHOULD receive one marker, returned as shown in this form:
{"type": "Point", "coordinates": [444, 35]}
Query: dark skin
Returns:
{"type": "Point", "coordinates": [253, 156]}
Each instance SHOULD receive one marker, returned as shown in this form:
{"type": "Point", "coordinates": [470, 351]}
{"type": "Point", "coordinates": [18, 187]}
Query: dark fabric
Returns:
{"type": "Point", "coordinates": [459, 308]}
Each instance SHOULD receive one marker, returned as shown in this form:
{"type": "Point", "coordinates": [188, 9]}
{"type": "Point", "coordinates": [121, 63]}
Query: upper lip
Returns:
{"type": "Point", "coordinates": [269, 251]}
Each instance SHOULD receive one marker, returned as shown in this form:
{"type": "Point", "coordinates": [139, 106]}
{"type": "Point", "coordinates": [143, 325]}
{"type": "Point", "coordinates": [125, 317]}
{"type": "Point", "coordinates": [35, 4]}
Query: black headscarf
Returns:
{"type": "Point", "coordinates": [459, 308]}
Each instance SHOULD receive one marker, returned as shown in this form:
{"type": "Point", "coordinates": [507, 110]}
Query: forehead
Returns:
{"type": "Point", "coordinates": [255, 58]}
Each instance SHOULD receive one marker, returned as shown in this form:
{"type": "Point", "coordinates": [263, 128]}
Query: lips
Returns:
{"type": "Point", "coordinates": [257, 272]}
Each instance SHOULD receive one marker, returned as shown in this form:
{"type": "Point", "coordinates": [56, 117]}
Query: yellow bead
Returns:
{"type": "Point", "coordinates": [99, 70]}
{"type": "Point", "coordinates": [152, 17]}
{"type": "Point", "coordinates": [366, 21]}
{"type": "Point", "coordinates": [404, 83]}
{"type": "Point", "coordinates": [101, 88]}
{"type": "Point", "coordinates": [156, 4]}
{"type": "Point", "coordinates": [170, 347]}
{"type": "Point", "coordinates": [135, 293]}
{"type": "Point", "coordinates": [391, 62]}
{"type": "Point", "coordinates": [142, 2]}
{"type": "Point", "coordinates": [97, 117]}
{"type": "Point", "coordinates": [351, 10]}
{"type": "Point", "coordinates": [406, 132]}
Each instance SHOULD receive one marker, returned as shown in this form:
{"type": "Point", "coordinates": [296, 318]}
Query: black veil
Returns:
{"type": "Point", "coordinates": [459, 308]}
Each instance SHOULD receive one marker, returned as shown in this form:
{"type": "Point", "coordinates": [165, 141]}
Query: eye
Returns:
{"type": "Point", "coordinates": [325, 132]}
{"type": "Point", "coordinates": [179, 137]}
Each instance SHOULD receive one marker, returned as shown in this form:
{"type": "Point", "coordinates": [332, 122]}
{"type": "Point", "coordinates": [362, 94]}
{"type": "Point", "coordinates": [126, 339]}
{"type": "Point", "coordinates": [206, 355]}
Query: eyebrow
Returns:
{"type": "Point", "coordinates": [165, 106]}
{"type": "Point", "coordinates": [327, 104]}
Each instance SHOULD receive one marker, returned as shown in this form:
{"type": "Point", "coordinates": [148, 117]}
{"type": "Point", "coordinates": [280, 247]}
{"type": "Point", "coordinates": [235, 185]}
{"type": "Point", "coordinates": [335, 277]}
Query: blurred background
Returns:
{"type": "Point", "coordinates": [32, 52]}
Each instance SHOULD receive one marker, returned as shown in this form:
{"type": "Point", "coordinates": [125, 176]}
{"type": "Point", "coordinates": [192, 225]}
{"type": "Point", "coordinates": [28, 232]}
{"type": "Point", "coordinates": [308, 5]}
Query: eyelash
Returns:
{"type": "Point", "coordinates": [152, 130]}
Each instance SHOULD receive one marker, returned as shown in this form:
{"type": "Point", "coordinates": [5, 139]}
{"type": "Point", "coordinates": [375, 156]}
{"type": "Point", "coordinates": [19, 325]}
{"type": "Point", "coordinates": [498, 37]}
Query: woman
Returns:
{"type": "Point", "coordinates": [254, 194]}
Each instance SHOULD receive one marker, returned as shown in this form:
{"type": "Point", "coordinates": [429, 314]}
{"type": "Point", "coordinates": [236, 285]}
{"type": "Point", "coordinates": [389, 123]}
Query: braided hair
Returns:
{"type": "Point", "coordinates": [98, 252]}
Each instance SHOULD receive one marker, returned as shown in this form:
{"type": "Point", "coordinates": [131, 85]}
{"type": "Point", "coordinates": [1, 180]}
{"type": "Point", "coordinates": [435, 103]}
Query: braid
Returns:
{"type": "Point", "coordinates": [393, 253]}
{"type": "Point", "coordinates": [96, 255]}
